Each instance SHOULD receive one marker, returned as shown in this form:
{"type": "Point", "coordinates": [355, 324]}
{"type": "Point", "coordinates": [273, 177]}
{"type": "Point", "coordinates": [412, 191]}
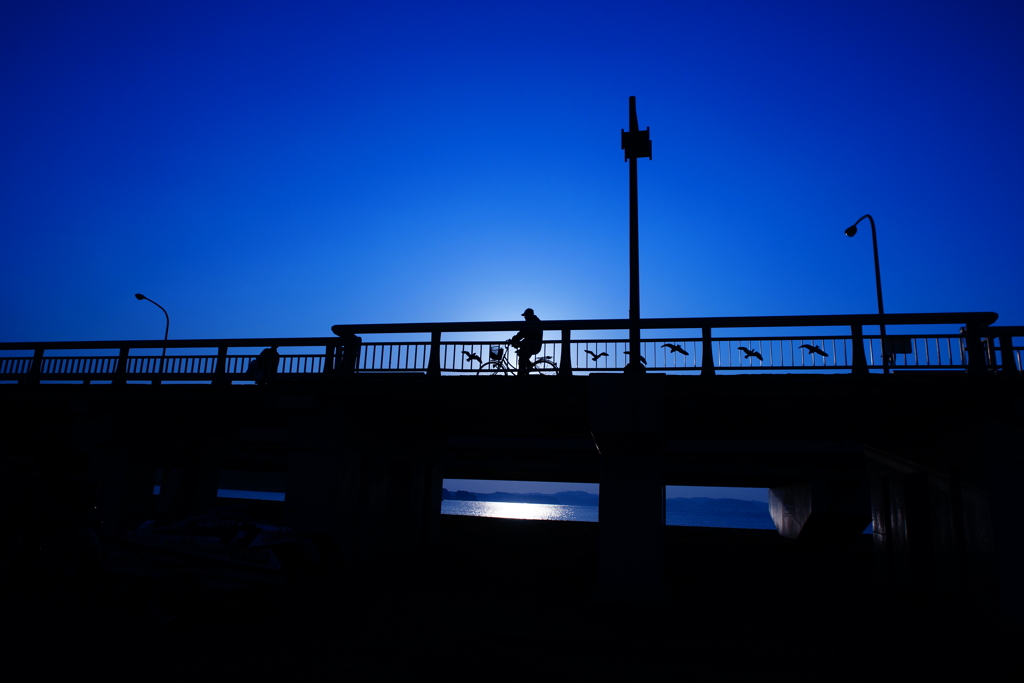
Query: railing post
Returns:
{"type": "Point", "coordinates": [35, 369]}
{"type": "Point", "coordinates": [975, 351]}
{"type": "Point", "coordinates": [860, 361]}
{"type": "Point", "coordinates": [565, 361]}
{"type": "Point", "coordinates": [330, 358]}
{"type": "Point", "coordinates": [220, 371]}
{"type": "Point", "coordinates": [351, 349]}
{"type": "Point", "coordinates": [707, 359]}
{"type": "Point", "coordinates": [434, 363]}
{"type": "Point", "coordinates": [121, 373]}
{"type": "Point", "coordinates": [1009, 363]}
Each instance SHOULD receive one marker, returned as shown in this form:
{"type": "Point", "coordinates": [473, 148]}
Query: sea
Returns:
{"type": "Point", "coordinates": [581, 513]}
{"type": "Point", "coordinates": [565, 513]}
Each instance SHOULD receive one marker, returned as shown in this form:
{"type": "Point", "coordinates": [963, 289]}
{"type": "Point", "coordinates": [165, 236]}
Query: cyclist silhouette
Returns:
{"type": "Point", "coordinates": [528, 342]}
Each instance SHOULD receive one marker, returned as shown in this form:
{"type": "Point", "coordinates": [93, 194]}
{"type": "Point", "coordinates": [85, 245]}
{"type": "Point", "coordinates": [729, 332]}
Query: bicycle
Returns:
{"type": "Point", "coordinates": [499, 365]}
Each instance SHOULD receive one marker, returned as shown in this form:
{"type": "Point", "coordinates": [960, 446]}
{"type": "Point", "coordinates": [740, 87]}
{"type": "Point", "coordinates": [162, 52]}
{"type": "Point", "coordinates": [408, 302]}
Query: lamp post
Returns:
{"type": "Point", "coordinates": [850, 232]}
{"type": "Point", "coordinates": [636, 143]}
{"type": "Point", "coordinates": [167, 327]}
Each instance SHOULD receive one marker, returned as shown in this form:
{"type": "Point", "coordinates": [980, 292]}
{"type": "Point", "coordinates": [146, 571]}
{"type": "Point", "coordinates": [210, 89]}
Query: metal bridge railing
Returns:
{"type": "Point", "coordinates": [705, 348]}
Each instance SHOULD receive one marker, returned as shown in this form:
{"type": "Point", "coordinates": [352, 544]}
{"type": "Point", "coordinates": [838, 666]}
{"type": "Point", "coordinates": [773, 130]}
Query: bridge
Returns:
{"type": "Point", "coordinates": [917, 432]}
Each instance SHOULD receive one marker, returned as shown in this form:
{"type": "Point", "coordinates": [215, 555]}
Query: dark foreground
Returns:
{"type": "Point", "coordinates": [504, 598]}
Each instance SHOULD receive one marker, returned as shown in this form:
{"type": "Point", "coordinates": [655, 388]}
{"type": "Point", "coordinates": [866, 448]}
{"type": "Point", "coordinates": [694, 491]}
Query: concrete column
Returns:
{"type": "Point", "coordinates": [400, 493]}
{"type": "Point", "coordinates": [953, 526]}
{"type": "Point", "coordinates": [627, 418]}
{"type": "Point", "coordinates": [820, 510]}
{"type": "Point", "coordinates": [370, 495]}
{"type": "Point", "coordinates": [414, 501]}
{"type": "Point", "coordinates": [324, 476]}
{"type": "Point", "coordinates": [127, 499]}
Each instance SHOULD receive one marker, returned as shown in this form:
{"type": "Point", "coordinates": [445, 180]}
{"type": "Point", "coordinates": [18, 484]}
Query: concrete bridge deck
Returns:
{"type": "Point", "coordinates": [928, 450]}
{"type": "Point", "coordinates": [930, 459]}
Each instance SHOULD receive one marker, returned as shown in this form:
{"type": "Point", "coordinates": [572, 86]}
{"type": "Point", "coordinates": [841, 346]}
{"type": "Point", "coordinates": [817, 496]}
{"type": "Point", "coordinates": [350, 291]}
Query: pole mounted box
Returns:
{"type": "Point", "coordinates": [637, 143]}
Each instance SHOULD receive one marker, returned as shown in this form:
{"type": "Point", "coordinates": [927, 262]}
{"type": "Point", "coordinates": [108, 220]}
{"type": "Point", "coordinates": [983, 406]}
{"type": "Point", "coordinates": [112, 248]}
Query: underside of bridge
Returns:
{"type": "Point", "coordinates": [931, 460]}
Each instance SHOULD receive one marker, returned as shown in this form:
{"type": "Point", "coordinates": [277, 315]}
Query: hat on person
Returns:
{"type": "Point", "coordinates": [528, 311]}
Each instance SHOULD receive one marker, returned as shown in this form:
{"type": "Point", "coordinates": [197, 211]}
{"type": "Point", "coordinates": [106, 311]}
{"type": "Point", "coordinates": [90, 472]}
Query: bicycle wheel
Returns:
{"type": "Point", "coordinates": [493, 368]}
{"type": "Point", "coordinates": [545, 367]}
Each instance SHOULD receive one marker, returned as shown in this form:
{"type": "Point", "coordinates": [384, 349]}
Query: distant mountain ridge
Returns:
{"type": "Point", "coordinates": [714, 505]}
{"type": "Point", "coordinates": [591, 500]}
{"type": "Point", "coordinates": [561, 498]}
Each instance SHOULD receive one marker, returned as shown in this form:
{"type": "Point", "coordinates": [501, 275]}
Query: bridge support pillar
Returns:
{"type": "Point", "coordinates": [626, 417]}
{"type": "Point", "coordinates": [370, 496]}
{"type": "Point", "coordinates": [127, 494]}
{"type": "Point", "coordinates": [953, 526]}
{"type": "Point", "coordinates": [821, 510]}
{"type": "Point", "coordinates": [323, 490]}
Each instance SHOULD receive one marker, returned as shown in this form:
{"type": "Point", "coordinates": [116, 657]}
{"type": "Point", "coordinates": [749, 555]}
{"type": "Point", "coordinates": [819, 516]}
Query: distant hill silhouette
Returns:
{"type": "Point", "coordinates": [714, 505]}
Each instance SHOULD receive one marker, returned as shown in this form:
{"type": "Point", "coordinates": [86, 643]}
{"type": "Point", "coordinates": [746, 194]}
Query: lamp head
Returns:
{"type": "Point", "coordinates": [140, 297]}
{"type": "Point", "coordinates": [849, 232]}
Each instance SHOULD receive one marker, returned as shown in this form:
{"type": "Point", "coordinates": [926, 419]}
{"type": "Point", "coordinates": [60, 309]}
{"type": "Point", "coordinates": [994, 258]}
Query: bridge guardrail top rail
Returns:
{"type": "Point", "coordinates": [706, 348]}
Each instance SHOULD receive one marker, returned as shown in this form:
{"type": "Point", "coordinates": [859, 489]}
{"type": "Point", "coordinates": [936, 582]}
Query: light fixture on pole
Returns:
{"type": "Point", "coordinates": [636, 143]}
{"type": "Point", "coordinates": [850, 232]}
{"type": "Point", "coordinates": [167, 327]}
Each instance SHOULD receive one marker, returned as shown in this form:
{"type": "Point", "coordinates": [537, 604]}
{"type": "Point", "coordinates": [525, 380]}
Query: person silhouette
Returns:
{"type": "Point", "coordinates": [528, 342]}
{"type": "Point", "coordinates": [266, 365]}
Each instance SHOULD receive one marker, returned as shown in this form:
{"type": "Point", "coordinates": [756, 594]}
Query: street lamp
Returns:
{"type": "Point", "coordinates": [850, 232]}
{"type": "Point", "coordinates": [167, 327]}
{"type": "Point", "coordinates": [636, 143]}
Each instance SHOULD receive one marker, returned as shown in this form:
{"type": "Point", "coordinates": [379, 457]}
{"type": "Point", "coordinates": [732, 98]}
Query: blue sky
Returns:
{"type": "Point", "coordinates": [272, 169]}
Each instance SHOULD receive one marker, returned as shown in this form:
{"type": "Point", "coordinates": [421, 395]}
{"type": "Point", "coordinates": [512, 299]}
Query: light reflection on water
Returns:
{"type": "Point", "coordinates": [573, 513]}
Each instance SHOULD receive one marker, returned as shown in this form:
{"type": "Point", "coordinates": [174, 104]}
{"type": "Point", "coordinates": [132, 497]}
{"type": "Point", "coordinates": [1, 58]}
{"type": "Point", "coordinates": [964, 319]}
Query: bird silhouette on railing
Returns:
{"type": "Point", "coordinates": [748, 353]}
{"type": "Point", "coordinates": [594, 356]}
{"type": "Point", "coordinates": [642, 359]}
{"type": "Point", "coordinates": [814, 349]}
{"type": "Point", "coordinates": [676, 348]}
{"type": "Point", "coordinates": [472, 357]}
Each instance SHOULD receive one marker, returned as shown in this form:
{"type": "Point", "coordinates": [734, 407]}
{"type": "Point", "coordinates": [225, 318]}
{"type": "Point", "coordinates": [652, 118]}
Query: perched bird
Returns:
{"type": "Point", "coordinates": [814, 349]}
{"type": "Point", "coordinates": [676, 348]}
{"type": "Point", "coordinates": [595, 356]}
{"type": "Point", "coordinates": [472, 357]}
{"type": "Point", "coordinates": [642, 359]}
{"type": "Point", "coordinates": [749, 353]}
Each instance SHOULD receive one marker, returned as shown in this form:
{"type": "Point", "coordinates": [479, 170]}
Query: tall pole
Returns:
{"type": "Point", "coordinates": [850, 232]}
{"type": "Point", "coordinates": [636, 143]}
{"type": "Point", "coordinates": [167, 327]}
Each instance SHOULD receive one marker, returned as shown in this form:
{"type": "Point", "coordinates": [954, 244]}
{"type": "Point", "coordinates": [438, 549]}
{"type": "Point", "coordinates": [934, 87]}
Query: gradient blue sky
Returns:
{"type": "Point", "coordinates": [272, 168]}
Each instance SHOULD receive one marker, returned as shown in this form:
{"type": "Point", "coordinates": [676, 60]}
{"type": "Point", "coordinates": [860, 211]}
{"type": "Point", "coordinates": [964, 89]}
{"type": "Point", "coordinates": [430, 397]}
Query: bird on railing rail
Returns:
{"type": "Point", "coordinates": [642, 359]}
{"type": "Point", "coordinates": [472, 357]}
{"type": "Point", "coordinates": [750, 353]}
{"type": "Point", "coordinates": [814, 349]}
{"type": "Point", "coordinates": [676, 348]}
{"type": "Point", "coordinates": [595, 356]}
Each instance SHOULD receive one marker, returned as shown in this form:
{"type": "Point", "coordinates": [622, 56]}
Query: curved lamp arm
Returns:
{"type": "Point", "coordinates": [167, 327]}
{"type": "Point", "coordinates": [850, 232]}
